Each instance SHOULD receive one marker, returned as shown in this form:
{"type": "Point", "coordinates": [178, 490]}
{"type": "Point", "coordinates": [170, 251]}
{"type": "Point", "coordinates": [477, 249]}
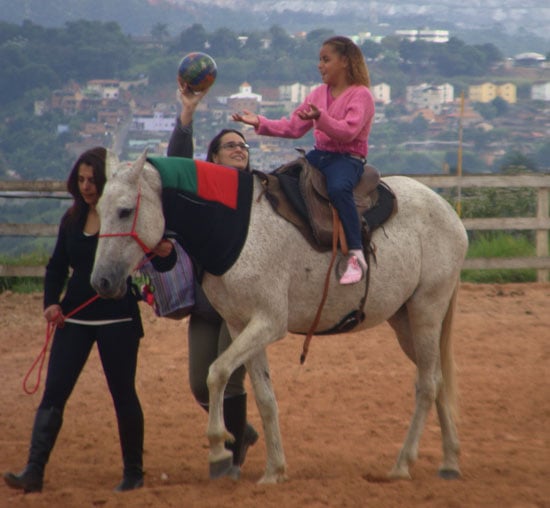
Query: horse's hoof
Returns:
{"type": "Point", "coordinates": [222, 468]}
{"type": "Point", "coordinates": [449, 474]}
{"type": "Point", "coordinates": [399, 474]}
{"type": "Point", "coordinates": [273, 479]}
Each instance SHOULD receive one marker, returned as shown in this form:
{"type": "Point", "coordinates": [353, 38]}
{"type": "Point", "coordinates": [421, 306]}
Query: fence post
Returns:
{"type": "Point", "coordinates": [542, 234]}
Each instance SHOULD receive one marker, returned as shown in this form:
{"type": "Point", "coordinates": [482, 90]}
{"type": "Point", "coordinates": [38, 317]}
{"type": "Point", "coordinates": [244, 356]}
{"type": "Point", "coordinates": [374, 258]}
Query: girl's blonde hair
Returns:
{"type": "Point", "coordinates": [358, 72]}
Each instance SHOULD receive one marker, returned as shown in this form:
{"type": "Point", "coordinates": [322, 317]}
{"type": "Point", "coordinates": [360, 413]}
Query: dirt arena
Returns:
{"type": "Point", "coordinates": [343, 417]}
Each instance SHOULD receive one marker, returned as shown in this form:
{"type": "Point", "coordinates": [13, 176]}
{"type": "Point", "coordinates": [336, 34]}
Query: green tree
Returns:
{"type": "Point", "coordinates": [371, 49]}
{"type": "Point", "coordinates": [160, 32]}
{"type": "Point", "coordinates": [194, 38]}
{"type": "Point", "coordinates": [415, 52]}
{"type": "Point", "coordinates": [419, 126]}
{"type": "Point", "coordinates": [515, 162]}
{"type": "Point", "coordinates": [224, 43]}
{"type": "Point", "coordinates": [317, 37]}
{"type": "Point", "coordinates": [501, 106]}
{"type": "Point", "coordinates": [542, 156]}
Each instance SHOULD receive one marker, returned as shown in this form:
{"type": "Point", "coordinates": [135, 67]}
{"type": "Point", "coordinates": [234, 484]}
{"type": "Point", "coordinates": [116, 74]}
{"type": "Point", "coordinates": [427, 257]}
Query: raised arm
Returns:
{"type": "Point", "coordinates": [181, 139]}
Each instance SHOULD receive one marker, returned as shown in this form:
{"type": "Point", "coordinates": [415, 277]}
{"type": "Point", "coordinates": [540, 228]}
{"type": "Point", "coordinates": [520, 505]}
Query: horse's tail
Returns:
{"type": "Point", "coordinates": [448, 367]}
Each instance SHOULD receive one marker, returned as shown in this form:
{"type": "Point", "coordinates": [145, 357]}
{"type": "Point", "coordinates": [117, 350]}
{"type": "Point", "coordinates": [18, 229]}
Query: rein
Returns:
{"type": "Point", "coordinates": [337, 235]}
{"type": "Point", "coordinates": [50, 326]}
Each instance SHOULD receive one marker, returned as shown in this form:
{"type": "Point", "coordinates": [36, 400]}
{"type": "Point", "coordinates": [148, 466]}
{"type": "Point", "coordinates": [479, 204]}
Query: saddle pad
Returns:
{"type": "Point", "coordinates": [207, 180]}
{"type": "Point", "coordinates": [207, 205]}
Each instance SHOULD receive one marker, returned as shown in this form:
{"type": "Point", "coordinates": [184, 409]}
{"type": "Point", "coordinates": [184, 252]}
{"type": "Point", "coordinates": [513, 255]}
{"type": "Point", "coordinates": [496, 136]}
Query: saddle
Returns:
{"type": "Point", "coordinates": [297, 191]}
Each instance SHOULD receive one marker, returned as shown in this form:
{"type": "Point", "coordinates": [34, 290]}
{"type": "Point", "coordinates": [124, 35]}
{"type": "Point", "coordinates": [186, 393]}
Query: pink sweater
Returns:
{"type": "Point", "coordinates": [343, 126]}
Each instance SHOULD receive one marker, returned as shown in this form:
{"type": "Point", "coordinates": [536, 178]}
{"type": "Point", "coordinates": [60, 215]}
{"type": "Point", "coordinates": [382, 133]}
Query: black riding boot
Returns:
{"type": "Point", "coordinates": [47, 423]}
{"type": "Point", "coordinates": [234, 410]}
{"type": "Point", "coordinates": [130, 430]}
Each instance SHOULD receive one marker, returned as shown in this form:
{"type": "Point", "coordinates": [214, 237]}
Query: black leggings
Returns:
{"type": "Point", "coordinates": [118, 348]}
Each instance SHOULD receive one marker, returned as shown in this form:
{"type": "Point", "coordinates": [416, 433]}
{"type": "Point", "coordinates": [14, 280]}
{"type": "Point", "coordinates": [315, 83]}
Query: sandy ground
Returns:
{"type": "Point", "coordinates": [343, 416]}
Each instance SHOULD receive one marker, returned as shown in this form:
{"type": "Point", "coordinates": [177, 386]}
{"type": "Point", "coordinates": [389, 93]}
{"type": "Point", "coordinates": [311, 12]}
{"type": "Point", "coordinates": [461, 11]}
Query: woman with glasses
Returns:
{"type": "Point", "coordinates": [208, 336]}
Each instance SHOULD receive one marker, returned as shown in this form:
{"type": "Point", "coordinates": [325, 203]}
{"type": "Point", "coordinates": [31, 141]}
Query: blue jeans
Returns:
{"type": "Point", "coordinates": [342, 173]}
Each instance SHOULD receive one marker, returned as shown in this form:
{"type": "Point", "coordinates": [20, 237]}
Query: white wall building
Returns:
{"type": "Point", "coordinates": [438, 36]}
{"type": "Point", "coordinates": [541, 91]}
{"type": "Point", "coordinates": [295, 93]}
{"type": "Point", "coordinates": [381, 93]}
{"type": "Point", "coordinates": [429, 96]}
{"type": "Point", "coordinates": [106, 88]}
{"type": "Point", "coordinates": [157, 122]}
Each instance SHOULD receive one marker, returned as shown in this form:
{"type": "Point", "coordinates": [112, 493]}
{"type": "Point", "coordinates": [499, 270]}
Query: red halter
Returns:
{"type": "Point", "coordinates": [133, 234]}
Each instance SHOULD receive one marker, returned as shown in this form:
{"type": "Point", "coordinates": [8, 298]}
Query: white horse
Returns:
{"type": "Point", "coordinates": [275, 286]}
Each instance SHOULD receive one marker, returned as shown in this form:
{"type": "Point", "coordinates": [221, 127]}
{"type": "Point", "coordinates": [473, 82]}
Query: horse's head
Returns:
{"type": "Point", "coordinates": [132, 222]}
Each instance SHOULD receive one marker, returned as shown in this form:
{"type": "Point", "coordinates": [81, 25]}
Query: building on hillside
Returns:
{"type": "Point", "coordinates": [136, 83]}
{"type": "Point", "coordinates": [295, 93]}
{"type": "Point", "coordinates": [529, 60]}
{"type": "Point", "coordinates": [40, 107]}
{"type": "Point", "coordinates": [541, 91]}
{"type": "Point", "coordinates": [155, 121]}
{"type": "Point", "coordinates": [507, 91]}
{"type": "Point", "coordinates": [244, 99]}
{"type": "Point", "coordinates": [67, 101]}
{"type": "Point", "coordinates": [106, 88]}
{"type": "Point", "coordinates": [437, 36]}
{"type": "Point", "coordinates": [486, 92]}
{"type": "Point", "coordinates": [381, 93]}
{"type": "Point", "coordinates": [433, 97]}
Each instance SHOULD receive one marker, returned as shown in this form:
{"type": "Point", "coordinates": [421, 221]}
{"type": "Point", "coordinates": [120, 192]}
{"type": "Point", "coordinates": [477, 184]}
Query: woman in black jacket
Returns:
{"type": "Point", "coordinates": [208, 336]}
{"type": "Point", "coordinates": [115, 325]}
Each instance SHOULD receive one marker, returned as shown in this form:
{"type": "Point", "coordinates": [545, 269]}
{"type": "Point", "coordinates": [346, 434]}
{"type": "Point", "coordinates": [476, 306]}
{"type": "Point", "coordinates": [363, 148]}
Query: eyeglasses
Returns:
{"type": "Point", "coordinates": [232, 145]}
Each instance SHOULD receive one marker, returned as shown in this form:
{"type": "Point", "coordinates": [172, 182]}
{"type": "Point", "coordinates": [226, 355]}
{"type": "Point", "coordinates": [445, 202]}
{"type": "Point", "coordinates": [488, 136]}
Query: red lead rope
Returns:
{"type": "Point", "coordinates": [50, 327]}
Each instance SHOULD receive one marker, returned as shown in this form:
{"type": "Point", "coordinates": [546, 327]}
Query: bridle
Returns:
{"type": "Point", "coordinates": [133, 233]}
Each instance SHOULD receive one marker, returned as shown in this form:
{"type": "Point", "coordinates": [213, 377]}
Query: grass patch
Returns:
{"type": "Point", "coordinates": [24, 284]}
{"type": "Point", "coordinates": [489, 244]}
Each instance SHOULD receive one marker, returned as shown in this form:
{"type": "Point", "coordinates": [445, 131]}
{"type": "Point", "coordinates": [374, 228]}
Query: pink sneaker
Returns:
{"type": "Point", "coordinates": [353, 273]}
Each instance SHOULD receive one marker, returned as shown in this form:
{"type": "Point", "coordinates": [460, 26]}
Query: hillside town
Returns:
{"type": "Point", "coordinates": [128, 123]}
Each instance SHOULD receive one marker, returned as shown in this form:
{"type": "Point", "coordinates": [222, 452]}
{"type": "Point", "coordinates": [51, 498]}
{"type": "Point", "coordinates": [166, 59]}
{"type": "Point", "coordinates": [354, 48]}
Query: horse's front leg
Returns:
{"type": "Point", "coordinates": [258, 370]}
{"type": "Point", "coordinates": [248, 348]}
{"type": "Point", "coordinates": [220, 459]}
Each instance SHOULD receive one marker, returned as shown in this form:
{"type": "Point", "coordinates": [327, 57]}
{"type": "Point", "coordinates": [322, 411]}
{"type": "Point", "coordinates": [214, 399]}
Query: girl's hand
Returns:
{"type": "Point", "coordinates": [54, 314]}
{"type": "Point", "coordinates": [163, 248]}
{"type": "Point", "coordinates": [246, 117]}
{"type": "Point", "coordinates": [312, 113]}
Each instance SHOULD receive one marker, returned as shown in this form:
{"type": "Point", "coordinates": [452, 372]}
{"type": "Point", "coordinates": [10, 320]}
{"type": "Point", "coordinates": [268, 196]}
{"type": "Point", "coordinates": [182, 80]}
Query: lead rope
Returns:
{"type": "Point", "coordinates": [50, 329]}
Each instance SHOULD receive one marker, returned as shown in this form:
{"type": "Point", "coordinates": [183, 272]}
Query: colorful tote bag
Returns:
{"type": "Point", "coordinates": [171, 293]}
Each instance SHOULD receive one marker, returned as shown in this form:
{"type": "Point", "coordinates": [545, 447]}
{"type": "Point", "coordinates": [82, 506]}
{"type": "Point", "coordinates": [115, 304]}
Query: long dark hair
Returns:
{"type": "Point", "coordinates": [94, 157]}
{"type": "Point", "coordinates": [214, 146]}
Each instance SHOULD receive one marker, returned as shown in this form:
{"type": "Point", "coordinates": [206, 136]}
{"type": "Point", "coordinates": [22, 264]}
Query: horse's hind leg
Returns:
{"type": "Point", "coordinates": [446, 400]}
{"type": "Point", "coordinates": [419, 337]}
{"type": "Point", "coordinates": [425, 394]}
{"type": "Point", "coordinates": [258, 370]}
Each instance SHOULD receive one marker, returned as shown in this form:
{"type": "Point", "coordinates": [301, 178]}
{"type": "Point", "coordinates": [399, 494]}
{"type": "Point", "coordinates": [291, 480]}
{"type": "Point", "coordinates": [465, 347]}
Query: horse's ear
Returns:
{"type": "Point", "coordinates": [133, 174]}
{"type": "Point", "coordinates": [111, 164]}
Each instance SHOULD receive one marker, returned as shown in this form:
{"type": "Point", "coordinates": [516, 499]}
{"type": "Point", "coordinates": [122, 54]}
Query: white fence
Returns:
{"type": "Point", "coordinates": [540, 223]}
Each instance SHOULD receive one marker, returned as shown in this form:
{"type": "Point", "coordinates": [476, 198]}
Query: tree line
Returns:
{"type": "Point", "coordinates": [36, 60]}
{"type": "Point", "coordinates": [33, 57]}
